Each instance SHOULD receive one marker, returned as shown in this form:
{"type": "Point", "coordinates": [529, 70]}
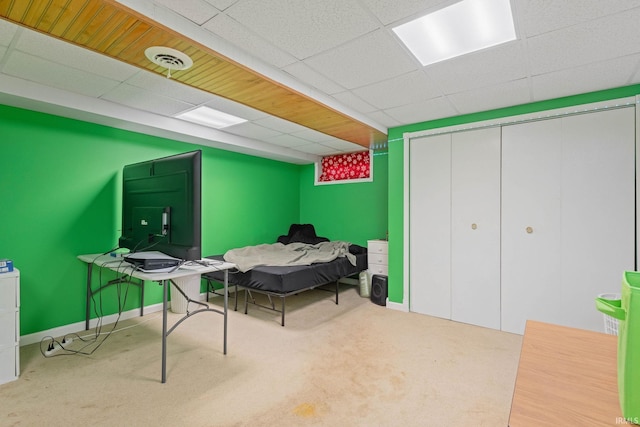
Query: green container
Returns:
{"type": "Point", "coordinates": [627, 311]}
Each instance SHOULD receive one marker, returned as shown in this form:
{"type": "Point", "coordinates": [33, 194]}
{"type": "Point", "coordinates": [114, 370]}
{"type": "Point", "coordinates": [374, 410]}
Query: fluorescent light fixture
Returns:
{"type": "Point", "coordinates": [461, 28]}
{"type": "Point", "coordinates": [209, 117]}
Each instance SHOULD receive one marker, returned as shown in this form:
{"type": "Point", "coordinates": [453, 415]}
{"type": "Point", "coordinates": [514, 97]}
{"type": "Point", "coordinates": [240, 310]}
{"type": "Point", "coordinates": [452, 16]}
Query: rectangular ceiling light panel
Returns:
{"type": "Point", "coordinates": [209, 117]}
{"type": "Point", "coordinates": [461, 28]}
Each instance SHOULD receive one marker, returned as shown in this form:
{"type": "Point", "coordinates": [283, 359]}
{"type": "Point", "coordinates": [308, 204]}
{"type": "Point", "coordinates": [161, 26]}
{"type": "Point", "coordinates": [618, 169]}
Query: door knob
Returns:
{"type": "Point", "coordinates": [529, 230]}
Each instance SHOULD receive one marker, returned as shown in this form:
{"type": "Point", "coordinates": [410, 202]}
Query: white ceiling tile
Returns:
{"type": "Point", "coordinates": [312, 78]}
{"type": "Point", "coordinates": [38, 70]}
{"type": "Point", "coordinates": [311, 135]}
{"type": "Point", "coordinates": [304, 27]}
{"type": "Point", "coordinates": [351, 65]}
{"type": "Point", "coordinates": [69, 55]}
{"type": "Point", "coordinates": [351, 100]}
{"type": "Point", "coordinates": [7, 31]}
{"type": "Point", "coordinates": [142, 99]}
{"type": "Point", "coordinates": [168, 87]}
{"type": "Point", "coordinates": [221, 4]}
{"type": "Point", "coordinates": [589, 78]}
{"type": "Point", "coordinates": [405, 89]}
{"type": "Point", "coordinates": [594, 41]}
{"type": "Point", "coordinates": [280, 125]}
{"type": "Point", "coordinates": [198, 11]}
{"type": "Point", "coordinates": [542, 16]}
{"type": "Point", "coordinates": [319, 149]}
{"type": "Point", "coordinates": [431, 109]}
{"type": "Point", "coordinates": [384, 119]}
{"type": "Point", "coordinates": [285, 140]}
{"type": "Point", "coordinates": [484, 68]}
{"type": "Point", "coordinates": [391, 11]}
{"type": "Point", "coordinates": [251, 130]}
{"type": "Point", "coordinates": [344, 146]}
{"type": "Point", "coordinates": [235, 108]}
{"type": "Point", "coordinates": [244, 38]}
{"type": "Point", "coordinates": [489, 98]}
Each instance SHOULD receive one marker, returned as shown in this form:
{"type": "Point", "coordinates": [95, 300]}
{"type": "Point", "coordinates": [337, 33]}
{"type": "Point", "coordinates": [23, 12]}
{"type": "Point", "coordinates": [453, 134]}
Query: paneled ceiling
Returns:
{"type": "Point", "coordinates": [311, 77]}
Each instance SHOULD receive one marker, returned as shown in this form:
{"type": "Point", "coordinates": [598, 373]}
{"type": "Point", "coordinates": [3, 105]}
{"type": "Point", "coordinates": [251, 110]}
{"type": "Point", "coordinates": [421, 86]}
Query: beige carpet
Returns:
{"type": "Point", "coordinates": [354, 364]}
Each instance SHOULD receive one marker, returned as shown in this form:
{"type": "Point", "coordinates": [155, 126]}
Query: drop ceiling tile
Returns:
{"type": "Point", "coordinates": [198, 11]}
{"type": "Point", "coordinates": [141, 99]}
{"type": "Point", "coordinates": [431, 109]}
{"type": "Point", "coordinates": [592, 77]}
{"type": "Point", "coordinates": [594, 41]}
{"type": "Point", "coordinates": [311, 77]}
{"type": "Point", "coordinates": [484, 68]}
{"type": "Point", "coordinates": [168, 87]}
{"type": "Point", "coordinates": [286, 140]}
{"type": "Point", "coordinates": [69, 55]}
{"type": "Point", "coordinates": [7, 31]}
{"type": "Point", "coordinates": [245, 39]}
{"type": "Point", "coordinates": [279, 125]}
{"type": "Point", "coordinates": [311, 135]}
{"type": "Point", "coordinates": [235, 108]}
{"type": "Point", "coordinates": [251, 130]}
{"type": "Point", "coordinates": [344, 146]}
{"type": "Point", "coordinates": [349, 99]}
{"type": "Point", "coordinates": [49, 73]}
{"type": "Point", "coordinates": [489, 98]}
{"type": "Point", "coordinates": [384, 119]}
{"type": "Point", "coordinates": [541, 16]}
{"type": "Point", "coordinates": [405, 89]}
{"type": "Point", "coordinates": [304, 27]}
{"type": "Point", "coordinates": [221, 4]}
{"type": "Point", "coordinates": [391, 11]}
{"type": "Point", "coordinates": [318, 149]}
{"type": "Point", "coordinates": [350, 65]}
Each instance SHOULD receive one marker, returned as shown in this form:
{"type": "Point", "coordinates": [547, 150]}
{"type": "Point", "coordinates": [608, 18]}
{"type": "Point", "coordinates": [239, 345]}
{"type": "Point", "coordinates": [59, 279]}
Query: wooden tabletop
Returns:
{"type": "Point", "coordinates": [566, 377]}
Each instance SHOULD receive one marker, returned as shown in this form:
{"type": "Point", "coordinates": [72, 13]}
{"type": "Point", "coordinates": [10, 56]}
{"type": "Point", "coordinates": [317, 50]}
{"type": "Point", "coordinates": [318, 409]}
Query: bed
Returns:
{"type": "Point", "coordinates": [282, 281]}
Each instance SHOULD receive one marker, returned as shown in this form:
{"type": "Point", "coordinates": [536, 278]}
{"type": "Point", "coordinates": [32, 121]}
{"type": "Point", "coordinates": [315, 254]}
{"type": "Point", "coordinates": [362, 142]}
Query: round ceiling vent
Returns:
{"type": "Point", "coordinates": [168, 58]}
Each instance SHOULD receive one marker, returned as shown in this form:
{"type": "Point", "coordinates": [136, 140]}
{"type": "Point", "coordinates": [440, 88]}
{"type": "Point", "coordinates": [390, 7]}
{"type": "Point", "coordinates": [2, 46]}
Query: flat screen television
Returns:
{"type": "Point", "coordinates": [161, 206]}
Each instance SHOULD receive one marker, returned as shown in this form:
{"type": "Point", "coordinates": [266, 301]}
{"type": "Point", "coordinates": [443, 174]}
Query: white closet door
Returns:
{"type": "Point", "coordinates": [430, 225]}
{"type": "Point", "coordinates": [475, 228]}
{"type": "Point", "coordinates": [598, 199]}
{"type": "Point", "coordinates": [531, 224]}
{"type": "Point", "coordinates": [567, 216]}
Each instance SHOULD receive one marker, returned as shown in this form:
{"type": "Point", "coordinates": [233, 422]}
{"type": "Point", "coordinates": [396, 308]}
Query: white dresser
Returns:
{"type": "Point", "coordinates": [378, 257]}
{"type": "Point", "coordinates": [9, 326]}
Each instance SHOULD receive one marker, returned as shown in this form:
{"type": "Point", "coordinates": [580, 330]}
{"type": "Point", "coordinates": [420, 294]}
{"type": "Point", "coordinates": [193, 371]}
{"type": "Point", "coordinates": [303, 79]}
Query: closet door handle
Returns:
{"type": "Point", "coordinates": [474, 226]}
{"type": "Point", "coordinates": [529, 230]}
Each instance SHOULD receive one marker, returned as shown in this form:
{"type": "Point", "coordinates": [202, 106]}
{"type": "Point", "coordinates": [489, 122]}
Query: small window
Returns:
{"type": "Point", "coordinates": [345, 168]}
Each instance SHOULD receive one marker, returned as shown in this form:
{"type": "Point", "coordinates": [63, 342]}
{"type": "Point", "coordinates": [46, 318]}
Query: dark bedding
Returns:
{"type": "Point", "coordinates": [286, 279]}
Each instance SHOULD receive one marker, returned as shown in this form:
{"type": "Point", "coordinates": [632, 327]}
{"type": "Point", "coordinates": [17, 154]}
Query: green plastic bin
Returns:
{"type": "Point", "coordinates": [627, 311]}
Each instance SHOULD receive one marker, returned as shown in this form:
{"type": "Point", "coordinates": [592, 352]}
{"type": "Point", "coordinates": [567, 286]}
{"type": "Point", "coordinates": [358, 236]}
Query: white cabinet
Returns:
{"type": "Point", "coordinates": [524, 221]}
{"type": "Point", "coordinates": [9, 326]}
{"type": "Point", "coordinates": [378, 257]}
{"type": "Point", "coordinates": [455, 226]}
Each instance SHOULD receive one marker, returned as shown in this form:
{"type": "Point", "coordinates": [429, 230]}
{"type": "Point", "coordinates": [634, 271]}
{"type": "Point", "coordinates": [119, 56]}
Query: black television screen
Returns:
{"type": "Point", "coordinates": [161, 204]}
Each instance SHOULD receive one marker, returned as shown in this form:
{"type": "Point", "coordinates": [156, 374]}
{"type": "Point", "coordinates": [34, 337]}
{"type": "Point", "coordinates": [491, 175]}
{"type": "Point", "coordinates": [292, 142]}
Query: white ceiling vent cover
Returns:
{"type": "Point", "coordinates": [168, 58]}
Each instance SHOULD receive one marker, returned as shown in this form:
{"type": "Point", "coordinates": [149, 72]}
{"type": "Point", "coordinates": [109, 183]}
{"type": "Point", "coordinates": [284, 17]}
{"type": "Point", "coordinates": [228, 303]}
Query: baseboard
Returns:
{"type": "Point", "coordinates": [397, 306]}
{"type": "Point", "coordinates": [78, 327]}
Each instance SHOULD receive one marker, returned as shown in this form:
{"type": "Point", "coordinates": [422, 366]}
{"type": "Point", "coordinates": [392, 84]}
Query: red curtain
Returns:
{"type": "Point", "coordinates": [346, 166]}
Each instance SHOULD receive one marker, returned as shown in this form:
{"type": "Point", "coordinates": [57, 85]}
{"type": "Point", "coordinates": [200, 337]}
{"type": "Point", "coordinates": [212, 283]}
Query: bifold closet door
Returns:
{"type": "Point", "coordinates": [568, 216]}
{"type": "Point", "coordinates": [430, 226]}
{"type": "Point", "coordinates": [455, 226]}
{"type": "Point", "coordinates": [475, 227]}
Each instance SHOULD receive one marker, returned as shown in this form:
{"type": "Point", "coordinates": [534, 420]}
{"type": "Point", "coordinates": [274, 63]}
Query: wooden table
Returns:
{"type": "Point", "coordinates": [566, 377]}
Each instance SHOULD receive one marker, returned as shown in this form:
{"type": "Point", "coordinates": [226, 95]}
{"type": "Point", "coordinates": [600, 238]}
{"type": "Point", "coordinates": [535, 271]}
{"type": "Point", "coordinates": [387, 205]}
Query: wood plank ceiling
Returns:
{"type": "Point", "coordinates": [112, 29]}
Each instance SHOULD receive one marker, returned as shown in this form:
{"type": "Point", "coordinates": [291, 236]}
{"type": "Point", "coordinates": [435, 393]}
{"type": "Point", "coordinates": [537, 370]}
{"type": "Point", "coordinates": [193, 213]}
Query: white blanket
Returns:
{"type": "Point", "coordinates": [277, 254]}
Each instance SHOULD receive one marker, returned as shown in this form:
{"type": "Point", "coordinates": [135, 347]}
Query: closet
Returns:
{"type": "Point", "coordinates": [522, 221]}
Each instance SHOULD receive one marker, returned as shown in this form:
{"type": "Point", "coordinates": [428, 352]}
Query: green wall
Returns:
{"type": "Point", "coordinates": [396, 165]}
{"type": "Point", "coordinates": [354, 212]}
{"type": "Point", "coordinates": [61, 187]}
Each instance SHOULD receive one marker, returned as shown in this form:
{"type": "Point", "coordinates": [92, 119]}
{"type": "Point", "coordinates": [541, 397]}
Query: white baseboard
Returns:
{"type": "Point", "coordinates": [78, 327]}
{"type": "Point", "coordinates": [397, 306]}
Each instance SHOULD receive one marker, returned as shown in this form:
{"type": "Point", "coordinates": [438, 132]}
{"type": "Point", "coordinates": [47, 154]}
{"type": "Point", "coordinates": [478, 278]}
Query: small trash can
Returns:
{"type": "Point", "coordinates": [627, 311]}
{"type": "Point", "coordinates": [610, 322]}
{"type": "Point", "coordinates": [190, 285]}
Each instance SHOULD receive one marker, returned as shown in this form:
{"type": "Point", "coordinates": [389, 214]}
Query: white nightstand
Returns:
{"type": "Point", "coordinates": [378, 257]}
